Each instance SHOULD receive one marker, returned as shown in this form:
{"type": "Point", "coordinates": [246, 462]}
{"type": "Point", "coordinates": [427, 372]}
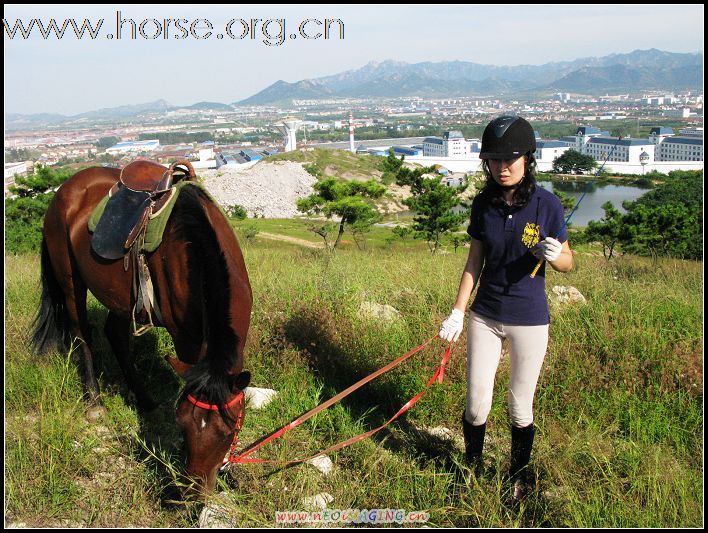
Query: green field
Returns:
{"type": "Point", "coordinates": [619, 405]}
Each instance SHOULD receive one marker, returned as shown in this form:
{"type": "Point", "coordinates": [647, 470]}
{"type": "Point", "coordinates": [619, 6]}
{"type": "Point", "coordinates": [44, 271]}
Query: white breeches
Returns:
{"type": "Point", "coordinates": [527, 349]}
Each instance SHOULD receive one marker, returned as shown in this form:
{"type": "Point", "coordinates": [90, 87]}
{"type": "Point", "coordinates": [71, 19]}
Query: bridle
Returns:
{"type": "Point", "coordinates": [238, 399]}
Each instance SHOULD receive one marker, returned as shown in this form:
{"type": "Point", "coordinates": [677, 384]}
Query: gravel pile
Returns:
{"type": "Point", "coordinates": [267, 190]}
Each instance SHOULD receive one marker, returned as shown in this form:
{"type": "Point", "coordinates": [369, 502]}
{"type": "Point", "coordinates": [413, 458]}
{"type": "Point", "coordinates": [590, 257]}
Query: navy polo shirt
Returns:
{"type": "Point", "coordinates": [507, 292]}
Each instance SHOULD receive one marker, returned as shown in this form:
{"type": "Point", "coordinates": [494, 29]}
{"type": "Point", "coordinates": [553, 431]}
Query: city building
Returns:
{"type": "Point", "coordinates": [134, 146]}
{"type": "Point", "coordinates": [680, 149]}
{"type": "Point", "coordinates": [658, 134]}
{"type": "Point", "coordinates": [451, 144]}
{"type": "Point", "coordinates": [618, 150]}
{"type": "Point", "coordinates": [549, 150]}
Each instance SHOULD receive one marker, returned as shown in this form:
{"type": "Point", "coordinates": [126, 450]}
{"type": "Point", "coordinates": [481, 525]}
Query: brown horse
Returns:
{"type": "Point", "coordinates": [203, 293]}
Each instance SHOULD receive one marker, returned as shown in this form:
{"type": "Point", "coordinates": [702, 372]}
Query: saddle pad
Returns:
{"type": "Point", "coordinates": [157, 222]}
{"type": "Point", "coordinates": [121, 213]}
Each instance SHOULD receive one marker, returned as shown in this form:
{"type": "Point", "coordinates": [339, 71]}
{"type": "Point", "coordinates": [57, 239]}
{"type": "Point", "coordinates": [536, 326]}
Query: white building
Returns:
{"type": "Point", "coordinates": [680, 149]}
{"type": "Point", "coordinates": [134, 146]}
{"type": "Point", "coordinates": [618, 150]}
{"type": "Point", "coordinates": [451, 144]}
{"type": "Point", "coordinates": [658, 134]}
{"type": "Point", "coordinates": [549, 150]}
{"type": "Point", "coordinates": [691, 132]}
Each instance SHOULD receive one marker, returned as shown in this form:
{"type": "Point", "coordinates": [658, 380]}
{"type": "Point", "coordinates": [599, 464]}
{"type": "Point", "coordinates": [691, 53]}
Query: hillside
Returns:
{"type": "Point", "coordinates": [619, 403]}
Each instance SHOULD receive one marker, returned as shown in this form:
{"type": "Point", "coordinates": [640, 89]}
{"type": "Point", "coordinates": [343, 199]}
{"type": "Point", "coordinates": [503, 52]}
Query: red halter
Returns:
{"type": "Point", "coordinates": [238, 399]}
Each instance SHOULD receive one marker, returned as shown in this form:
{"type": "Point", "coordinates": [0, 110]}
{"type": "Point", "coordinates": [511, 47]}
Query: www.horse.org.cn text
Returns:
{"type": "Point", "coordinates": [270, 31]}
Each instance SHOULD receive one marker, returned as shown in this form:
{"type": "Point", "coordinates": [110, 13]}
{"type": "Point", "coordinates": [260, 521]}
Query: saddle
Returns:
{"type": "Point", "coordinates": [143, 189]}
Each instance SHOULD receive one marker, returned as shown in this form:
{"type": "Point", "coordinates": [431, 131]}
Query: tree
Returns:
{"type": "Point", "coordinates": [433, 203]}
{"type": "Point", "coordinates": [458, 239]}
{"type": "Point", "coordinates": [567, 201]}
{"type": "Point", "coordinates": [572, 161]}
{"type": "Point", "coordinates": [666, 221]}
{"type": "Point", "coordinates": [667, 230]}
{"type": "Point", "coordinates": [607, 230]}
{"type": "Point", "coordinates": [349, 200]}
{"type": "Point", "coordinates": [390, 167]}
{"type": "Point", "coordinates": [24, 212]}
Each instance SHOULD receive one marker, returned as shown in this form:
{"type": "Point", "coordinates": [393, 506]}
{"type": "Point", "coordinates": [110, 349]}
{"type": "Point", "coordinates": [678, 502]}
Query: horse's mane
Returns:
{"type": "Point", "coordinates": [210, 292]}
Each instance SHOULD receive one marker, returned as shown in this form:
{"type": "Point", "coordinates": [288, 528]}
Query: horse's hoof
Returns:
{"type": "Point", "coordinates": [96, 412]}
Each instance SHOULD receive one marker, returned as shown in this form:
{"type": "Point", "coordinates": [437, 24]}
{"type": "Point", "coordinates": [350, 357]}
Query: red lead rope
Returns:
{"type": "Point", "coordinates": [438, 376]}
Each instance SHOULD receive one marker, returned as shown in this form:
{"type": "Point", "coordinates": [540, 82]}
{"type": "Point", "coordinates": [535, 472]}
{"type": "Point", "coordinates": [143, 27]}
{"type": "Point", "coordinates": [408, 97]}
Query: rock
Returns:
{"type": "Point", "coordinates": [258, 398]}
{"type": "Point", "coordinates": [441, 432]}
{"type": "Point", "coordinates": [267, 189]}
{"type": "Point", "coordinates": [216, 515]}
{"type": "Point", "coordinates": [322, 463]}
{"type": "Point", "coordinates": [566, 295]}
{"type": "Point", "coordinates": [318, 501]}
{"type": "Point", "coordinates": [97, 412]}
{"type": "Point", "coordinates": [374, 310]}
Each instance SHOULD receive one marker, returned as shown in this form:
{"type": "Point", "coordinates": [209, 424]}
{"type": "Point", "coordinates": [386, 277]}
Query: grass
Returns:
{"type": "Point", "coordinates": [618, 405]}
{"type": "Point", "coordinates": [339, 163]}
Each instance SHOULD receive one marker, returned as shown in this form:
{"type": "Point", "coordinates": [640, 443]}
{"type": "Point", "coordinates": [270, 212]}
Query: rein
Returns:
{"type": "Point", "coordinates": [242, 457]}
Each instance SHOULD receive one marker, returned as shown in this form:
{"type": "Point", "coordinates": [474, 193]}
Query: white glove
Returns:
{"type": "Point", "coordinates": [548, 249]}
{"type": "Point", "coordinates": [452, 326]}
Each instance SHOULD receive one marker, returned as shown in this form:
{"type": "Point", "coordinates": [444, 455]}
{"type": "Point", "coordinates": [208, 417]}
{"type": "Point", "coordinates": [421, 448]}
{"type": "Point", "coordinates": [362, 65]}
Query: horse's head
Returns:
{"type": "Point", "coordinates": [209, 429]}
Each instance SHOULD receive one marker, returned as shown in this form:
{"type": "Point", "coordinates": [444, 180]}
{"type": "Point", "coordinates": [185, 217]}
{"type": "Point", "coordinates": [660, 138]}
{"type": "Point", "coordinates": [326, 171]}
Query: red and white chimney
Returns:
{"type": "Point", "coordinates": [351, 133]}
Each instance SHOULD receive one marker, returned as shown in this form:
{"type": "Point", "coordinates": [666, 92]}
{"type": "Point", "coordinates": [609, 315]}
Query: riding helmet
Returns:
{"type": "Point", "coordinates": [507, 137]}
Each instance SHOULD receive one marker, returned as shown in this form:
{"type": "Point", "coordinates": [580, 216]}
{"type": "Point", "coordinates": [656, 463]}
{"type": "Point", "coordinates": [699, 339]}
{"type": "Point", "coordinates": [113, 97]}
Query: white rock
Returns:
{"type": "Point", "coordinates": [322, 463]}
{"type": "Point", "coordinates": [566, 295]}
{"type": "Point", "coordinates": [374, 310]}
{"type": "Point", "coordinates": [318, 501]}
{"type": "Point", "coordinates": [269, 189]}
{"type": "Point", "coordinates": [441, 432]}
{"type": "Point", "coordinates": [215, 515]}
{"type": "Point", "coordinates": [258, 398]}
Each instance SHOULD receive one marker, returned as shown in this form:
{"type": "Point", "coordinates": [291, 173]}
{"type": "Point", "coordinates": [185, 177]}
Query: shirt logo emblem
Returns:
{"type": "Point", "coordinates": [531, 235]}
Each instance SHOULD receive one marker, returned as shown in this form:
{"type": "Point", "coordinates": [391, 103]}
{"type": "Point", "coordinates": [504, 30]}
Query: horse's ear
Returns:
{"type": "Point", "coordinates": [241, 381]}
{"type": "Point", "coordinates": [178, 366]}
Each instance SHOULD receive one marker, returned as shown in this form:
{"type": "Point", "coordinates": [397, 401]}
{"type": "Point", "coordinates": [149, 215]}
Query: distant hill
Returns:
{"type": "Point", "coordinates": [126, 110]}
{"type": "Point", "coordinates": [282, 90]}
{"type": "Point", "coordinates": [624, 78]}
{"type": "Point", "coordinates": [209, 106]}
{"type": "Point", "coordinates": [641, 69]}
{"type": "Point", "coordinates": [15, 121]}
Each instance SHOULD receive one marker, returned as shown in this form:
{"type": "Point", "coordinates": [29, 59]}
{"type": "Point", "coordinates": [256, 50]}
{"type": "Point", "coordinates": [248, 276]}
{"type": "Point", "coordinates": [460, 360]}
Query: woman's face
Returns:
{"type": "Point", "coordinates": [508, 172]}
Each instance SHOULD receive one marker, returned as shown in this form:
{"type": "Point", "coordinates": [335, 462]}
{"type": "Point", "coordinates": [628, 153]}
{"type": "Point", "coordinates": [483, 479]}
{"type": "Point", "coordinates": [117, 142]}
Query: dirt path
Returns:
{"type": "Point", "coordinates": [294, 240]}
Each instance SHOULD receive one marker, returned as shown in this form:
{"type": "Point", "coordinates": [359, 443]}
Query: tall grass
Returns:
{"type": "Point", "coordinates": [618, 405]}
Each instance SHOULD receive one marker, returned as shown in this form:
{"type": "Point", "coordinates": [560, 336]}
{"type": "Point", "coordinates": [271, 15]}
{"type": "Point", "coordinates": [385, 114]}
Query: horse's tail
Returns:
{"type": "Point", "coordinates": [50, 329]}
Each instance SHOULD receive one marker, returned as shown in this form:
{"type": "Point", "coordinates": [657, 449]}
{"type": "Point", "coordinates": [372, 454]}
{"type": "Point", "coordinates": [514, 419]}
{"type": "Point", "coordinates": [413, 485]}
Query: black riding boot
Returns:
{"type": "Point", "coordinates": [474, 443]}
{"type": "Point", "coordinates": [521, 444]}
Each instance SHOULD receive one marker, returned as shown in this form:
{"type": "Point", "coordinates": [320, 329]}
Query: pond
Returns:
{"type": "Point", "coordinates": [590, 208]}
{"type": "Point", "coordinates": [599, 193]}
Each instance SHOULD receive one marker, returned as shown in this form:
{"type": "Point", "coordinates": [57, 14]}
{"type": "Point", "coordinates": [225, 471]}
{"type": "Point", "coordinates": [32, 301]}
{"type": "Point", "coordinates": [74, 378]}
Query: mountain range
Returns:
{"type": "Point", "coordinates": [641, 70]}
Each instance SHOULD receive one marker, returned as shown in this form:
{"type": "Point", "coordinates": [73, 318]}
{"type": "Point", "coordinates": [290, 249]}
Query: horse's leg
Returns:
{"type": "Point", "coordinates": [74, 290]}
{"type": "Point", "coordinates": [117, 330]}
{"type": "Point", "coordinates": [76, 309]}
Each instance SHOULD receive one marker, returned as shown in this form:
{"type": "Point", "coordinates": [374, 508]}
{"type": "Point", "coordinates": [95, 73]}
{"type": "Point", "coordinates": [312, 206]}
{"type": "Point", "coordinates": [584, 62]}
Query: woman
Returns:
{"type": "Point", "coordinates": [514, 224]}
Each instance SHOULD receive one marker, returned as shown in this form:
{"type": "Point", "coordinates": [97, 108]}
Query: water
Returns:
{"type": "Point", "coordinates": [591, 206]}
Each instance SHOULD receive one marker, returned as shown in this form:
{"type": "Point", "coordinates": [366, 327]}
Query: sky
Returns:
{"type": "Point", "coordinates": [73, 75]}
